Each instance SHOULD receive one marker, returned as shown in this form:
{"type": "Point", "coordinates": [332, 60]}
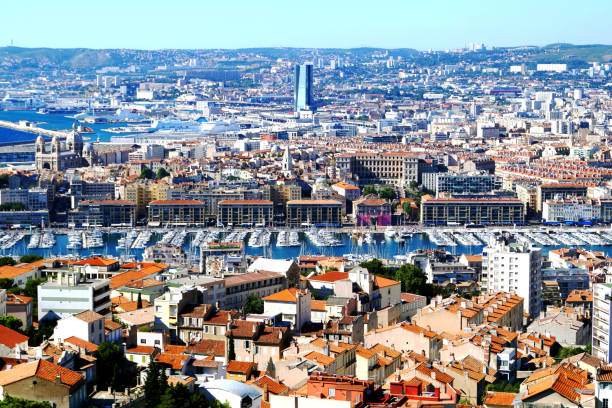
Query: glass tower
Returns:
{"type": "Point", "coordinates": [303, 87]}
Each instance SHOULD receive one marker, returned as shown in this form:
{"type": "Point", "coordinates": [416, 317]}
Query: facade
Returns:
{"type": "Point", "coordinates": [399, 168]}
{"type": "Point", "coordinates": [461, 183]}
{"type": "Point", "coordinates": [243, 212]}
{"type": "Point", "coordinates": [106, 213]}
{"type": "Point", "coordinates": [176, 213]}
{"type": "Point", "coordinates": [602, 310]}
{"type": "Point", "coordinates": [372, 211]}
{"type": "Point", "coordinates": [35, 199]}
{"type": "Point", "coordinates": [303, 98]}
{"type": "Point", "coordinates": [314, 212]}
{"type": "Point", "coordinates": [59, 386]}
{"type": "Point", "coordinates": [482, 211]}
{"type": "Point", "coordinates": [68, 295]}
{"type": "Point", "coordinates": [547, 192]}
{"type": "Point", "coordinates": [142, 194]}
{"type": "Point", "coordinates": [87, 325]}
{"type": "Point", "coordinates": [238, 288]}
{"type": "Point", "coordinates": [576, 210]}
{"type": "Point", "coordinates": [348, 191]}
{"type": "Point", "coordinates": [508, 266]}
{"type": "Point", "coordinates": [20, 307]}
{"type": "Point", "coordinates": [293, 305]}
{"type": "Point", "coordinates": [58, 159]}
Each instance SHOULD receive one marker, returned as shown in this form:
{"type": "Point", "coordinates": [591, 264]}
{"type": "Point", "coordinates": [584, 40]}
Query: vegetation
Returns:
{"type": "Point", "coordinates": [180, 396]}
{"type": "Point", "coordinates": [231, 352]}
{"type": "Point", "coordinates": [254, 305]}
{"type": "Point", "coordinates": [411, 277]}
{"type": "Point", "coordinates": [30, 258]}
{"type": "Point", "coordinates": [161, 173]}
{"type": "Point", "coordinates": [6, 283]}
{"type": "Point", "coordinates": [385, 192]}
{"type": "Point", "coordinates": [11, 322]}
{"type": "Point", "coordinates": [7, 260]}
{"type": "Point", "coordinates": [44, 331]}
{"type": "Point", "coordinates": [370, 189]}
{"type": "Point", "coordinates": [155, 385]}
{"type": "Point", "coordinates": [13, 207]}
{"type": "Point", "coordinates": [570, 351]}
{"type": "Point", "coordinates": [11, 402]}
{"type": "Point", "coordinates": [113, 369]}
{"type": "Point", "coordinates": [146, 173]}
{"type": "Point", "coordinates": [271, 369]}
{"type": "Point", "coordinates": [503, 386]}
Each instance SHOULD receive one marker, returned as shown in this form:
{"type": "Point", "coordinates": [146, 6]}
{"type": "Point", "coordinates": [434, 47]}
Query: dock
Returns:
{"type": "Point", "coordinates": [24, 126]}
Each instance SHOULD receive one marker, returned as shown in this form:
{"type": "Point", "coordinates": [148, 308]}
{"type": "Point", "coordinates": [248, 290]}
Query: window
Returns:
{"type": "Point", "coordinates": [143, 341]}
{"type": "Point", "coordinates": [332, 393]}
{"type": "Point", "coordinates": [157, 342]}
{"type": "Point", "coordinates": [604, 403]}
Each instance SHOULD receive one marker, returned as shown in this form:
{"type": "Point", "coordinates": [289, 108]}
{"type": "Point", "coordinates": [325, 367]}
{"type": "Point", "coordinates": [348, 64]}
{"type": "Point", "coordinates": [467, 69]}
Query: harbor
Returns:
{"type": "Point", "coordinates": [390, 243]}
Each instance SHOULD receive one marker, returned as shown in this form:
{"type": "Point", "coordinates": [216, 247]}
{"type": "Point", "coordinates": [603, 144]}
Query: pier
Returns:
{"type": "Point", "coordinates": [24, 126]}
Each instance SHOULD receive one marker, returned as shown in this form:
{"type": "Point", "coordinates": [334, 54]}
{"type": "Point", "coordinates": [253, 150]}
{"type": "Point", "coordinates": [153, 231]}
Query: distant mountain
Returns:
{"type": "Point", "coordinates": [563, 52]}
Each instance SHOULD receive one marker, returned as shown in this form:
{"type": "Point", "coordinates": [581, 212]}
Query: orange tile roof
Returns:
{"type": "Point", "coordinates": [317, 305]}
{"type": "Point", "coordinates": [287, 295]}
{"type": "Point", "coordinates": [241, 367]}
{"type": "Point", "coordinates": [9, 272]}
{"type": "Point", "coordinates": [41, 369]}
{"type": "Point", "coordinates": [273, 386]}
{"type": "Point", "coordinates": [81, 344]}
{"type": "Point", "coordinates": [176, 202]}
{"type": "Point", "coordinates": [89, 316]}
{"type": "Point", "coordinates": [384, 282]}
{"type": "Point", "coordinates": [11, 338]}
{"type": "Point", "coordinates": [141, 350]}
{"type": "Point", "coordinates": [319, 358]}
{"type": "Point", "coordinates": [499, 398]}
{"type": "Point", "coordinates": [331, 276]}
{"type": "Point", "coordinates": [124, 278]}
{"type": "Point", "coordinates": [96, 261]}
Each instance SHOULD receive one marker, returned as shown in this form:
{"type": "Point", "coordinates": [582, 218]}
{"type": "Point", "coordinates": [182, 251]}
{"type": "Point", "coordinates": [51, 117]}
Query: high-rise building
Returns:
{"type": "Point", "coordinates": [602, 346]}
{"type": "Point", "coordinates": [510, 266]}
{"type": "Point", "coordinates": [303, 87]}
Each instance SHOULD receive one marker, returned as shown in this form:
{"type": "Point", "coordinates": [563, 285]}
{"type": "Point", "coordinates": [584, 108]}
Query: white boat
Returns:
{"type": "Point", "coordinates": [389, 233]}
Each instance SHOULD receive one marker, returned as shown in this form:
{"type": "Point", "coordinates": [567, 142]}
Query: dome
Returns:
{"type": "Point", "coordinates": [40, 140]}
{"type": "Point", "coordinates": [74, 136]}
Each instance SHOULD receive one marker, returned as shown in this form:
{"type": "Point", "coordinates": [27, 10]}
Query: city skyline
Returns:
{"type": "Point", "coordinates": [193, 25]}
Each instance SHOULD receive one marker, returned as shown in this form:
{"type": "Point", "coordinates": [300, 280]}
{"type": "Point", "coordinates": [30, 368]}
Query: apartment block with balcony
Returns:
{"type": "Point", "coordinates": [602, 310]}
{"type": "Point", "coordinates": [314, 212]}
{"type": "Point", "coordinates": [180, 213]}
{"type": "Point", "coordinates": [245, 212]}
{"type": "Point", "coordinates": [482, 211]}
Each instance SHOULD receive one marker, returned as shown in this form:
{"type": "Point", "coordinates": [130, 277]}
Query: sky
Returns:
{"type": "Point", "coordinates": [420, 24]}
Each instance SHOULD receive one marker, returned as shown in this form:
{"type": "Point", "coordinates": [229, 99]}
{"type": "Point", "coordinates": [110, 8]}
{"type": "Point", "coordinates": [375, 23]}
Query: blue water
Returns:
{"type": "Point", "coordinates": [382, 249]}
{"type": "Point", "coordinates": [50, 122]}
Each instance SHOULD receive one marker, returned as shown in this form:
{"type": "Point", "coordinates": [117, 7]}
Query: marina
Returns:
{"type": "Point", "coordinates": [285, 244]}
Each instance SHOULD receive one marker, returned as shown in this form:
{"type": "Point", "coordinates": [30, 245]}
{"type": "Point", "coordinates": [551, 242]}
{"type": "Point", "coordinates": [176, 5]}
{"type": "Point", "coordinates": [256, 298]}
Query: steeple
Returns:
{"type": "Point", "coordinates": [287, 164]}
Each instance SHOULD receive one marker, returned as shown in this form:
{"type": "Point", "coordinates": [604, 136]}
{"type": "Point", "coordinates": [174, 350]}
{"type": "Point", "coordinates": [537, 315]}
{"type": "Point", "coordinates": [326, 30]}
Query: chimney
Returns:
{"type": "Point", "coordinates": [266, 393]}
{"type": "Point", "coordinates": [433, 375]}
{"type": "Point", "coordinates": [58, 379]}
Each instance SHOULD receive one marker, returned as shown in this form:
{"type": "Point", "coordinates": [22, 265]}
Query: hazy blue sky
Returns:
{"type": "Point", "coordinates": [421, 24]}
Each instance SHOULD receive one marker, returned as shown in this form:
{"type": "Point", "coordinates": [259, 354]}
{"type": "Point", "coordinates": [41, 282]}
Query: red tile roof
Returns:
{"type": "Point", "coordinates": [11, 338]}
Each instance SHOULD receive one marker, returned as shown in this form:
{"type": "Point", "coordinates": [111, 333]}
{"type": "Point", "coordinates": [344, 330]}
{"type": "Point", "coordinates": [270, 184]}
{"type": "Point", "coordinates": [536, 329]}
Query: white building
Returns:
{"type": "Point", "coordinates": [570, 210]}
{"type": "Point", "coordinates": [292, 304]}
{"type": "Point", "coordinates": [235, 393]}
{"type": "Point", "coordinates": [508, 266]}
{"type": "Point", "coordinates": [68, 294]}
{"type": "Point", "coordinates": [87, 325]}
{"type": "Point", "coordinates": [602, 309]}
{"type": "Point", "coordinates": [551, 67]}
{"type": "Point", "coordinates": [603, 387]}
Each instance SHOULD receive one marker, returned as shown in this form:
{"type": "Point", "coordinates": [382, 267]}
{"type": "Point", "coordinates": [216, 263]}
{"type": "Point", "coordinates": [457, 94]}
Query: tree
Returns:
{"type": "Point", "coordinates": [6, 283]}
{"type": "Point", "coordinates": [375, 267]}
{"type": "Point", "coordinates": [271, 369]}
{"type": "Point", "coordinates": [161, 173]}
{"type": "Point", "coordinates": [11, 322]}
{"type": "Point", "coordinates": [44, 331]}
{"type": "Point", "coordinates": [155, 385]}
{"type": "Point", "coordinates": [370, 189]}
{"type": "Point", "coordinates": [254, 305]}
{"type": "Point", "coordinates": [146, 173]}
{"type": "Point", "coordinates": [7, 260]}
{"type": "Point", "coordinates": [387, 193]}
{"type": "Point", "coordinates": [139, 301]}
{"type": "Point", "coordinates": [112, 367]}
{"type": "Point", "coordinates": [231, 353]}
{"type": "Point", "coordinates": [11, 402]}
{"type": "Point", "coordinates": [412, 278]}
{"type": "Point", "coordinates": [180, 396]}
{"type": "Point", "coordinates": [464, 401]}
{"type": "Point", "coordinates": [13, 207]}
{"type": "Point", "coordinates": [30, 258]}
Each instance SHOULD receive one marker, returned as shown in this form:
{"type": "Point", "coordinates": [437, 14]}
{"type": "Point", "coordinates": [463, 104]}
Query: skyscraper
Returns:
{"type": "Point", "coordinates": [303, 87]}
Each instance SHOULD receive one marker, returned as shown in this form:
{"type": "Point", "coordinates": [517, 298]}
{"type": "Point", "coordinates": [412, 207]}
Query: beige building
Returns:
{"type": "Point", "coordinates": [451, 315]}
{"type": "Point", "coordinates": [399, 168]}
{"type": "Point", "coordinates": [406, 337]}
{"type": "Point", "coordinates": [142, 194]}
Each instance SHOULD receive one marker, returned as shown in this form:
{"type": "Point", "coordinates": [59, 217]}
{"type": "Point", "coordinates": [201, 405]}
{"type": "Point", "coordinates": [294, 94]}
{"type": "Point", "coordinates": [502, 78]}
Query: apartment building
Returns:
{"type": "Point", "coordinates": [238, 288]}
{"type": "Point", "coordinates": [602, 310]}
{"type": "Point", "coordinates": [179, 213]}
{"type": "Point", "coordinates": [510, 266]}
{"type": "Point", "coordinates": [245, 212]}
{"type": "Point", "coordinates": [482, 211]}
{"type": "Point", "coordinates": [547, 192]}
{"type": "Point", "coordinates": [314, 212]}
{"type": "Point", "coordinates": [106, 213]}
{"type": "Point", "coordinates": [69, 294]}
{"type": "Point", "coordinates": [457, 183]}
{"type": "Point", "coordinates": [142, 194]}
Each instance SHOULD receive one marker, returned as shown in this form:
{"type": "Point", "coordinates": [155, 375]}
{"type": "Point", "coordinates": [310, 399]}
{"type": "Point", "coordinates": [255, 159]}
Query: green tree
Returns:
{"type": "Point", "coordinates": [161, 173]}
{"type": "Point", "coordinates": [146, 173]}
{"type": "Point", "coordinates": [387, 193]}
{"type": "Point", "coordinates": [464, 401]}
{"type": "Point", "coordinates": [11, 322]}
{"type": "Point", "coordinates": [6, 283]}
{"type": "Point", "coordinates": [13, 207]}
{"type": "Point", "coordinates": [254, 305]}
{"type": "Point", "coordinates": [412, 278]}
{"type": "Point", "coordinates": [370, 189]}
{"type": "Point", "coordinates": [231, 352]}
{"type": "Point", "coordinates": [112, 367]}
{"type": "Point", "coordinates": [7, 260]}
{"type": "Point", "coordinates": [180, 396]}
{"type": "Point", "coordinates": [11, 402]}
{"type": "Point", "coordinates": [43, 332]}
{"type": "Point", "coordinates": [375, 267]}
{"type": "Point", "coordinates": [155, 385]}
{"type": "Point", "coordinates": [30, 258]}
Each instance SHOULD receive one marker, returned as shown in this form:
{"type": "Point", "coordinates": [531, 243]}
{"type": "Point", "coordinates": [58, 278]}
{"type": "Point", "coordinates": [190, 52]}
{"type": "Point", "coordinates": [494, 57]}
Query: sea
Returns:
{"type": "Point", "coordinates": [50, 122]}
